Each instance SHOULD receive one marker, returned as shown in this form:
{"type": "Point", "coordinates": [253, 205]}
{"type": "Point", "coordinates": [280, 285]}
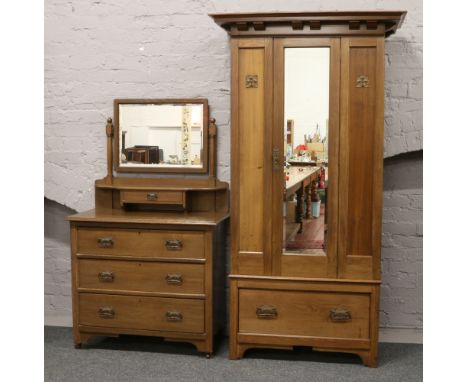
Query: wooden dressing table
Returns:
{"type": "Point", "coordinates": [149, 259]}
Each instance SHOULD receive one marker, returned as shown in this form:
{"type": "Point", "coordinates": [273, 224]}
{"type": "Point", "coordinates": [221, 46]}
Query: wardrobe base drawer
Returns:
{"type": "Point", "coordinates": [304, 313]}
{"type": "Point", "coordinates": [137, 312]}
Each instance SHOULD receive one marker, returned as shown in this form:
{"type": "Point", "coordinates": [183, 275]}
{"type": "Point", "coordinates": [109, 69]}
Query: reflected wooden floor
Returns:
{"type": "Point", "coordinates": [311, 237]}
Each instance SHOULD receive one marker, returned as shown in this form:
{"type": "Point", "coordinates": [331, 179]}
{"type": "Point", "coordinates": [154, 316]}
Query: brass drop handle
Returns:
{"type": "Point", "coordinates": [106, 276]}
{"type": "Point", "coordinates": [340, 315]}
{"type": "Point", "coordinates": [174, 316]}
{"type": "Point", "coordinates": [174, 245]}
{"type": "Point", "coordinates": [105, 242]}
{"type": "Point", "coordinates": [106, 312]}
{"type": "Point", "coordinates": [174, 278]}
{"type": "Point", "coordinates": [266, 312]}
{"type": "Point", "coordinates": [151, 196]}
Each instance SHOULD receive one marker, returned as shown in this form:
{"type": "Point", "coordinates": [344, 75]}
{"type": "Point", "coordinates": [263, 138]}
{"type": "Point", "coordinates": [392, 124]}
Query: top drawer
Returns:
{"type": "Point", "coordinates": [140, 243]}
{"type": "Point", "coordinates": [153, 197]}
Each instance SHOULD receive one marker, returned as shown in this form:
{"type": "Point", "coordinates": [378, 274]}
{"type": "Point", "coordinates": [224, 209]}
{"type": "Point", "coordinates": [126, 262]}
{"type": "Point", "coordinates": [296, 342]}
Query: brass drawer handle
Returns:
{"type": "Point", "coordinates": [174, 278]}
{"type": "Point", "coordinates": [106, 312]}
{"type": "Point", "coordinates": [106, 276]}
{"type": "Point", "coordinates": [151, 196]}
{"type": "Point", "coordinates": [174, 316]}
{"type": "Point", "coordinates": [266, 312]}
{"type": "Point", "coordinates": [174, 245]}
{"type": "Point", "coordinates": [340, 315]}
{"type": "Point", "coordinates": [105, 242]}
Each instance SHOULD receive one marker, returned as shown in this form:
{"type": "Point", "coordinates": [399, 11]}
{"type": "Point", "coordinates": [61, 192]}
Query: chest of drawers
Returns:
{"type": "Point", "coordinates": [157, 274]}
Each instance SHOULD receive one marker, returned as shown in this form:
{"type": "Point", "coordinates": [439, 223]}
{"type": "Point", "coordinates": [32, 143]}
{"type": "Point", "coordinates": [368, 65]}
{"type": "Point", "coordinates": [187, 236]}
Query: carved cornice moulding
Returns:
{"type": "Point", "coordinates": [310, 23]}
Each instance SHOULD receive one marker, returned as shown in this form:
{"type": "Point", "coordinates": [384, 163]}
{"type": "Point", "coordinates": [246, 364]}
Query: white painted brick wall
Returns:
{"type": "Point", "coordinates": [402, 243]}
{"type": "Point", "coordinates": [96, 51]}
{"type": "Point", "coordinates": [57, 282]}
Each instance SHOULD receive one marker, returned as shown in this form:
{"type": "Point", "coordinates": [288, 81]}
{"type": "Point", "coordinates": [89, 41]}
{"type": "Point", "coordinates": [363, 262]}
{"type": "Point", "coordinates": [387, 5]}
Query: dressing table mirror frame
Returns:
{"type": "Point", "coordinates": [169, 169]}
{"type": "Point", "coordinates": [110, 190]}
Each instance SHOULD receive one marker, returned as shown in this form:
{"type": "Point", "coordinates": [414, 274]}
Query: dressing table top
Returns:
{"type": "Point", "coordinates": [210, 218]}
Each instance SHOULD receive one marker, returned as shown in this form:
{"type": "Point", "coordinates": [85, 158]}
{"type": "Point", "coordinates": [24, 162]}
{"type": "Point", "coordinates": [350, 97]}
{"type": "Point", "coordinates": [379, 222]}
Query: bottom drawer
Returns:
{"type": "Point", "coordinates": [298, 313]}
{"type": "Point", "coordinates": [136, 312]}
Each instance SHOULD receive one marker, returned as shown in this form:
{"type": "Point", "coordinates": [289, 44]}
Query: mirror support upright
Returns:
{"type": "Point", "coordinates": [109, 134]}
{"type": "Point", "coordinates": [212, 147]}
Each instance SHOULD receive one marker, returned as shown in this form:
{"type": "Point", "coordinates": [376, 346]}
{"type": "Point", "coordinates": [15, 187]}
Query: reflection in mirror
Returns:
{"type": "Point", "coordinates": [306, 108]}
{"type": "Point", "coordinates": [167, 135]}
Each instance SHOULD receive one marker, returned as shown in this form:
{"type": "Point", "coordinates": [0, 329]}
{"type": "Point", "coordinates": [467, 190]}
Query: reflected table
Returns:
{"type": "Point", "coordinates": [302, 181]}
{"type": "Point", "coordinates": [301, 163]}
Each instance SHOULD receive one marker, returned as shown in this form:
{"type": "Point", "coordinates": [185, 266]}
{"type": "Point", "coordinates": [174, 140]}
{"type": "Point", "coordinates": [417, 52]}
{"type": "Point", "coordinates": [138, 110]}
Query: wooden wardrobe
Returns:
{"type": "Point", "coordinates": [329, 298]}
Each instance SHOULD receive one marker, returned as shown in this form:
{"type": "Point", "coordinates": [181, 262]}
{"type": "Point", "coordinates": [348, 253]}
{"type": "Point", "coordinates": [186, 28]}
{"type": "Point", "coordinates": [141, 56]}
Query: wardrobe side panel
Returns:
{"type": "Point", "coordinates": [250, 177]}
{"type": "Point", "coordinates": [361, 161]}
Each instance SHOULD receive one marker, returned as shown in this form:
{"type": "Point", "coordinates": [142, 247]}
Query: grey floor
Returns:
{"type": "Point", "coordinates": [132, 358]}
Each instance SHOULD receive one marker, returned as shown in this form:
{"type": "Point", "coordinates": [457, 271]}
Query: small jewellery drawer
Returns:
{"type": "Point", "coordinates": [141, 243]}
{"type": "Point", "coordinates": [141, 276]}
{"type": "Point", "coordinates": [147, 313]}
{"type": "Point", "coordinates": [298, 313]}
{"type": "Point", "coordinates": [153, 197]}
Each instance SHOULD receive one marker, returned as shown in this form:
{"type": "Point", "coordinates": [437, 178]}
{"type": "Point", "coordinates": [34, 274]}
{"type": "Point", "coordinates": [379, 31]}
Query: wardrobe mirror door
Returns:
{"type": "Point", "coordinates": [306, 120]}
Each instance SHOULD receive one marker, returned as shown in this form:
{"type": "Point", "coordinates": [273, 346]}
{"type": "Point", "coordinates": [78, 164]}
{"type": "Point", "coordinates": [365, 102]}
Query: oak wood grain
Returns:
{"type": "Point", "coordinates": [251, 153]}
{"type": "Point", "coordinates": [169, 218]}
{"type": "Point", "coordinates": [153, 197]}
{"type": "Point", "coordinates": [137, 276]}
{"type": "Point", "coordinates": [142, 312]}
{"type": "Point", "coordinates": [361, 157]}
{"type": "Point", "coordinates": [304, 314]}
{"type": "Point", "coordinates": [251, 150]}
{"type": "Point", "coordinates": [325, 23]}
{"type": "Point", "coordinates": [144, 243]}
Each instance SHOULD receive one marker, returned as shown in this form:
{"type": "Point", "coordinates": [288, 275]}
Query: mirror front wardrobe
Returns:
{"type": "Point", "coordinates": [307, 122]}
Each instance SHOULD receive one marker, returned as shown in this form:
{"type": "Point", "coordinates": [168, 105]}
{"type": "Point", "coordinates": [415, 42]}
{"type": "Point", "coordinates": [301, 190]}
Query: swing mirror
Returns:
{"type": "Point", "coordinates": [169, 136]}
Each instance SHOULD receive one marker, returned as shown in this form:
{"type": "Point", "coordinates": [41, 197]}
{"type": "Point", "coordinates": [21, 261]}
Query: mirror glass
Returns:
{"type": "Point", "coordinates": [306, 112]}
{"type": "Point", "coordinates": [161, 135]}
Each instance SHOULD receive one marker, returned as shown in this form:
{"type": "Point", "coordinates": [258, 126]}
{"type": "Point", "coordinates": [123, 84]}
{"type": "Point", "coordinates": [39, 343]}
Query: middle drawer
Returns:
{"type": "Point", "coordinates": [141, 276]}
